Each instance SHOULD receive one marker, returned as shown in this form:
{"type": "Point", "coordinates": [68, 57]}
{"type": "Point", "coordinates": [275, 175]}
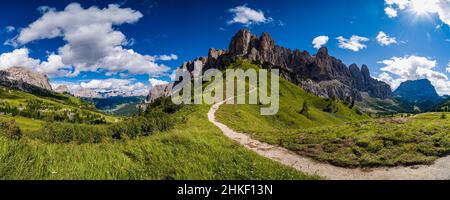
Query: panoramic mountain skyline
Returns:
{"type": "Point", "coordinates": [131, 45]}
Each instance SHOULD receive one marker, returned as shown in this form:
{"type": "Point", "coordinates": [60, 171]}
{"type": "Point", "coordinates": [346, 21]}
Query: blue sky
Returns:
{"type": "Point", "coordinates": [416, 42]}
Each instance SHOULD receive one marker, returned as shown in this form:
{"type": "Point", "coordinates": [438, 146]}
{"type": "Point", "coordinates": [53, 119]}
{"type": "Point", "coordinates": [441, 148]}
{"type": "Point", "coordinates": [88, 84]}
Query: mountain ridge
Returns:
{"type": "Point", "coordinates": [320, 74]}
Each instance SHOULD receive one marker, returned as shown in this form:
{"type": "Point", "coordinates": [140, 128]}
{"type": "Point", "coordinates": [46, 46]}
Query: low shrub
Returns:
{"type": "Point", "coordinates": [10, 129]}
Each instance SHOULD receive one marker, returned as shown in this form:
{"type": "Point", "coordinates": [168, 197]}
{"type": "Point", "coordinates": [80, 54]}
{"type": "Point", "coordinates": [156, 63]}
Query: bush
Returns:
{"type": "Point", "coordinates": [10, 130]}
{"type": "Point", "coordinates": [58, 132]}
{"type": "Point", "coordinates": [305, 109]}
{"type": "Point", "coordinates": [142, 126]}
{"type": "Point", "coordinates": [332, 106]}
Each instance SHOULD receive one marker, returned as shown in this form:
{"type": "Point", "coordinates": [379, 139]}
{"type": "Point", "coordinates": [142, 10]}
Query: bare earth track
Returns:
{"type": "Point", "coordinates": [440, 170]}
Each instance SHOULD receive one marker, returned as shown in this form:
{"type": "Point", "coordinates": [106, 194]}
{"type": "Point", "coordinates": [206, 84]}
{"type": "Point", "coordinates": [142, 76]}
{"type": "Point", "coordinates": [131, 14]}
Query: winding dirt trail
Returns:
{"type": "Point", "coordinates": [440, 170]}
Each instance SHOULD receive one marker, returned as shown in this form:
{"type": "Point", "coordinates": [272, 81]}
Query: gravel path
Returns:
{"type": "Point", "coordinates": [440, 170]}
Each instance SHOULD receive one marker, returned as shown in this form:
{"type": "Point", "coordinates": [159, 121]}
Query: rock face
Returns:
{"type": "Point", "coordinates": [330, 77]}
{"type": "Point", "coordinates": [159, 91]}
{"type": "Point", "coordinates": [62, 89]}
{"type": "Point", "coordinates": [417, 91]}
{"type": "Point", "coordinates": [24, 75]}
{"type": "Point", "coordinates": [320, 74]}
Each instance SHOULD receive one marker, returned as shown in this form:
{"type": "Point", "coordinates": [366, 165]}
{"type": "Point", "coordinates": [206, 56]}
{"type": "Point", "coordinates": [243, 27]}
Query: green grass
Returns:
{"type": "Point", "coordinates": [195, 149]}
{"type": "Point", "coordinates": [17, 98]}
{"type": "Point", "coordinates": [381, 106]}
{"type": "Point", "coordinates": [289, 116]}
{"type": "Point", "coordinates": [342, 138]}
{"type": "Point", "coordinates": [394, 141]}
{"type": "Point", "coordinates": [26, 125]}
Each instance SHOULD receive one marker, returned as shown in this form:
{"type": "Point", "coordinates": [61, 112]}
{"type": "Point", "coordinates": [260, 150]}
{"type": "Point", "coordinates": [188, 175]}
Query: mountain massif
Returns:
{"type": "Point", "coordinates": [417, 90]}
{"type": "Point", "coordinates": [320, 74]}
{"type": "Point", "coordinates": [19, 77]}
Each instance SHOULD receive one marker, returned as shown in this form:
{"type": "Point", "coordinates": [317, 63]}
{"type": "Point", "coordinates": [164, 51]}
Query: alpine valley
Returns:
{"type": "Point", "coordinates": [335, 121]}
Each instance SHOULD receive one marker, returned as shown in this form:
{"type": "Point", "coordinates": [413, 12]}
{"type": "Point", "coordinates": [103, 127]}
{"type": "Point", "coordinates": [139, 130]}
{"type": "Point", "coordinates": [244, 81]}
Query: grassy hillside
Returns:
{"type": "Point", "coordinates": [342, 137]}
{"type": "Point", "coordinates": [58, 107]}
{"type": "Point", "coordinates": [180, 145]}
{"type": "Point", "coordinates": [382, 106]}
{"type": "Point", "coordinates": [292, 99]}
{"type": "Point", "coordinates": [193, 149]}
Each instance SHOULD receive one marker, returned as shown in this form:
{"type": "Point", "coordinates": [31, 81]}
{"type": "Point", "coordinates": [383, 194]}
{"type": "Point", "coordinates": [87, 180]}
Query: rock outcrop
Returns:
{"type": "Point", "coordinates": [320, 74]}
{"type": "Point", "coordinates": [62, 89]}
{"type": "Point", "coordinates": [159, 91]}
{"type": "Point", "coordinates": [24, 75]}
{"type": "Point", "coordinates": [333, 77]}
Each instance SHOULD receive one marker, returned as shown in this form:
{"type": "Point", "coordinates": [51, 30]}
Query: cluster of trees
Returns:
{"type": "Point", "coordinates": [61, 132]}
{"type": "Point", "coordinates": [157, 118]}
{"type": "Point", "coordinates": [332, 106]}
{"type": "Point", "coordinates": [38, 109]}
{"type": "Point", "coordinates": [80, 126]}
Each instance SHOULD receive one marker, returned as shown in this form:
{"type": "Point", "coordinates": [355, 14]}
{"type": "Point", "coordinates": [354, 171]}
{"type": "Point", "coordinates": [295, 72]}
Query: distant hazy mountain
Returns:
{"type": "Point", "coordinates": [62, 89]}
{"type": "Point", "coordinates": [417, 91]}
{"type": "Point", "coordinates": [91, 93]}
{"type": "Point", "coordinates": [87, 93]}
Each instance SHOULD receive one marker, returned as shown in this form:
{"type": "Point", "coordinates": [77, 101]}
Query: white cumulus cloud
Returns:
{"type": "Point", "coordinates": [167, 57]}
{"type": "Point", "coordinates": [112, 86]}
{"type": "Point", "coordinates": [439, 7]}
{"type": "Point", "coordinates": [400, 69]}
{"type": "Point", "coordinates": [21, 58]}
{"type": "Point", "coordinates": [384, 40]}
{"type": "Point", "coordinates": [18, 58]}
{"type": "Point", "coordinates": [10, 29]}
{"type": "Point", "coordinates": [248, 16]}
{"type": "Point", "coordinates": [320, 41]}
{"type": "Point", "coordinates": [355, 43]}
{"type": "Point", "coordinates": [390, 12]}
{"type": "Point", "coordinates": [92, 44]}
{"type": "Point", "coordinates": [399, 4]}
{"type": "Point", "coordinates": [155, 82]}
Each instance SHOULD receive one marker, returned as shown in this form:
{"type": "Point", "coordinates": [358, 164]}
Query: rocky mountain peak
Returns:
{"type": "Point", "coordinates": [240, 43]}
{"type": "Point", "coordinates": [417, 90]}
{"type": "Point", "coordinates": [214, 54]}
{"type": "Point", "coordinates": [354, 68]}
{"type": "Point", "coordinates": [159, 91]}
{"type": "Point", "coordinates": [322, 74]}
{"type": "Point", "coordinates": [322, 52]}
{"type": "Point", "coordinates": [365, 72]}
{"type": "Point", "coordinates": [25, 75]}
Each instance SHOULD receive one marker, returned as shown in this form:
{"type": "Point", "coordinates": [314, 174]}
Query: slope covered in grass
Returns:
{"type": "Point", "coordinates": [320, 112]}
{"type": "Point", "coordinates": [14, 102]}
{"type": "Point", "coordinates": [194, 149]}
{"type": "Point", "coordinates": [342, 137]}
{"type": "Point", "coordinates": [395, 141]}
